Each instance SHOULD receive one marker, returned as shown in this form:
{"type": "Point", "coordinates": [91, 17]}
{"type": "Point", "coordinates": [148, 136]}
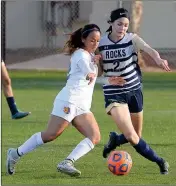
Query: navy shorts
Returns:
{"type": "Point", "coordinates": [134, 100]}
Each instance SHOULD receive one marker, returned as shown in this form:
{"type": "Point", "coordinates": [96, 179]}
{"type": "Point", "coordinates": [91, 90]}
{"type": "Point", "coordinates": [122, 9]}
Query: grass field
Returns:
{"type": "Point", "coordinates": [35, 92]}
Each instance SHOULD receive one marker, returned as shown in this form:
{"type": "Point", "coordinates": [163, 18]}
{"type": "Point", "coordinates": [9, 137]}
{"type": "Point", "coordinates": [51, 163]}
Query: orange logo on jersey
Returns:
{"type": "Point", "coordinates": [66, 110]}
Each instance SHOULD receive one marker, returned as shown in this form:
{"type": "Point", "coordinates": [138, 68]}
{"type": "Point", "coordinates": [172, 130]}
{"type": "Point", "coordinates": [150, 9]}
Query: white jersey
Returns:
{"type": "Point", "coordinates": [77, 91]}
{"type": "Point", "coordinates": [120, 59]}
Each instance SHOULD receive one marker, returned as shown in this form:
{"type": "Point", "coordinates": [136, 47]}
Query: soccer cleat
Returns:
{"type": "Point", "coordinates": [12, 159]}
{"type": "Point", "coordinates": [111, 145]}
{"type": "Point", "coordinates": [20, 115]}
{"type": "Point", "coordinates": [67, 167]}
{"type": "Point", "coordinates": [164, 167]}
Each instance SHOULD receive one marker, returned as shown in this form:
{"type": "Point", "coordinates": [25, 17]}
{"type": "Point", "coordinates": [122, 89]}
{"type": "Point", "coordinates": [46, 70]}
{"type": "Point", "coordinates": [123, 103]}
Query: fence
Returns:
{"type": "Point", "coordinates": [34, 29]}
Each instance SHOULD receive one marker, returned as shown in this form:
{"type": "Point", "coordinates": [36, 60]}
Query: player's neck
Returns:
{"type": "Point", "coordinates": [115, 38]}
{"type": "Point", "coordinates": [86, 50]}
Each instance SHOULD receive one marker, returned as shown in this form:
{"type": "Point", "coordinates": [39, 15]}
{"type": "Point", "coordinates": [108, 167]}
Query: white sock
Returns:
{"type": "Point", "coordinates": [32, 143]}
{"type": "Point", "coordinates": [81, 149]}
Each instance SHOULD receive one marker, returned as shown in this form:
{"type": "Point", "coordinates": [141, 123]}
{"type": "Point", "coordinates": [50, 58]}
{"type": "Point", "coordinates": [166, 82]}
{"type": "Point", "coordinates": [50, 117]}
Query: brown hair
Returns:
{"type": "Point", "coordinates": [75, 40]}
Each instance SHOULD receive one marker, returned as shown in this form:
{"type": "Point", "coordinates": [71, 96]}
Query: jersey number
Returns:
{"type": "Point", "coordinates": [116, 63]}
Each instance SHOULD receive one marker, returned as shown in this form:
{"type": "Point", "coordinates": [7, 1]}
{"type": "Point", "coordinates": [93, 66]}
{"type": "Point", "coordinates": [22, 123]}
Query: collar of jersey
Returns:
{"type": "Point", "coordinates": [114, 41]}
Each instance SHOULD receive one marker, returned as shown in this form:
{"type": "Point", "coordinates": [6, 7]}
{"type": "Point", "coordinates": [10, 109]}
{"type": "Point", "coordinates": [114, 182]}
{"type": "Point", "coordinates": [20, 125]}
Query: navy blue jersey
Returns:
{"type": "Point", "coordinates": [120, 59]}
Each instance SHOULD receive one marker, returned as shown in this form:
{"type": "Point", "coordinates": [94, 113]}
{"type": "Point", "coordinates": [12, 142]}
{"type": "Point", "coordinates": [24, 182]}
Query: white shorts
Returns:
{"type": "Point", "coordinates": [66, 110]}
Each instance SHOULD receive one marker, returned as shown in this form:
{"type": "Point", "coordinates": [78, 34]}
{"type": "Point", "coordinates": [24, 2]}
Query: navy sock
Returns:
{"type": "Point", "coordinates": [120, 139]}
{"type": "Point", "coordinates": [144, 149]}
{"type": "Point", "coordinates": [12, 105]}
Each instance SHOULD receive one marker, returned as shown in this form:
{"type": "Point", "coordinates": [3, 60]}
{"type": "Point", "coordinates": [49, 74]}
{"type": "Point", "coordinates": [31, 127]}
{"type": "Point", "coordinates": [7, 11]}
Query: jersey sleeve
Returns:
{"type": "Point", "coordinates": [140, 44]}
{"type": "Point", "coordinates": [84, 65]}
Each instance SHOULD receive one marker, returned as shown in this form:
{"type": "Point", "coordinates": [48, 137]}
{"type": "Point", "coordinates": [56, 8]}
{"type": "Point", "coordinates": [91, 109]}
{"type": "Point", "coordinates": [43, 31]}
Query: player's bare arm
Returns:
{"type": "Point", "coordinates": [142, 45]}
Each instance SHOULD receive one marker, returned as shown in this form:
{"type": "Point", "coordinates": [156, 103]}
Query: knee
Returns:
{"type": "Point", "coordinates": [132, 137]}
{"type": "Point", "coordinates": [6, 81]}
{"type": "Point", "coordinates": [50, 136]}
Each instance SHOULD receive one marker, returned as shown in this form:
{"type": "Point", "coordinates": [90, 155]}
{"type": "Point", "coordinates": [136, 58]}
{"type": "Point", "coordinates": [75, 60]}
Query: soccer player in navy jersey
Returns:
{"type": "Point", "coordinates": [8, 93]}
{"type": "Point", "coordinates": [124, 102]}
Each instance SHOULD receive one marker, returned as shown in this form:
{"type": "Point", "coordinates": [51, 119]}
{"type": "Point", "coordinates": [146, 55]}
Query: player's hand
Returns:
{"type": "Point", "coordinates": [164, 64]}
{"type": "Point", "coordinates": [90, 77]}
{"type": "Point", "coordinates": [97, 58]}
{"type": "Point", "coordinates": [116, 81]}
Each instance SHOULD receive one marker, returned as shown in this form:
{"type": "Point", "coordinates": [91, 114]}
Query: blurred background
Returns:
{"type": "Point", "coordinates": [35, 31]}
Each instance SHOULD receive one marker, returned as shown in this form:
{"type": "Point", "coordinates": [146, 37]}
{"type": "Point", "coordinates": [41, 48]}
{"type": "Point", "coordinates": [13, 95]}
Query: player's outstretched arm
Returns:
{"type": "Point", "coordinates": [99, 62]}
{"type": "Point", "coordinates": [142, 45]}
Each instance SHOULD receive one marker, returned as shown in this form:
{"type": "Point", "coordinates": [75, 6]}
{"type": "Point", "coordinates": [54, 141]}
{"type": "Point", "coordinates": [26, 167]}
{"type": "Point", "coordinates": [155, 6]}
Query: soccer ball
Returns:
{"type": "Point", "coordinates": [119, 162]}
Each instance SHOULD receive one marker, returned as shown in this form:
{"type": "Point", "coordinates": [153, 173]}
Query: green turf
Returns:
{"type": "Point", "coordinates": [35, 92]}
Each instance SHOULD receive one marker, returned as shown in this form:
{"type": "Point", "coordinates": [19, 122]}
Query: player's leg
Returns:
{"type": "Point", "coordinates": [59, 120]}
{"type": "Point", "coordinates": [56, 126]}
{"type": "Point", "coordinates": [86, 125]}
{"type": "Point", "coordinates": [8, 93]}
{"type": "Point", "coordinates": [135, 105]}
{"type": "Point", "coordinates": [134, 100]}
{"type": "Point", "coordinates": [137, 121]}
{"type": "Point", "coordinates": [121, 116]}
{"type": "Point", "coordinates": [115, 139]}
{"type": "Point", "coordinates": [124, 124]}
{"type": "Point", "coordinates": [6, 81]}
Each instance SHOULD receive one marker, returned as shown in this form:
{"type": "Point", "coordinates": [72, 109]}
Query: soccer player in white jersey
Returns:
{"type": "Point", "coordinates": [72, 104]}
{"type": "Point", "coordinates": [124, 102]}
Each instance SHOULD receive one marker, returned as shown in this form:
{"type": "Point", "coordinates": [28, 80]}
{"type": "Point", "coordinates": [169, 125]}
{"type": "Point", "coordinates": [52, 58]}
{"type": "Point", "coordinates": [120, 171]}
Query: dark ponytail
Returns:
{"type": "Point", "coordinates": [109, 29]}
{"type": "Point", "coordinates": [75, 40]}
